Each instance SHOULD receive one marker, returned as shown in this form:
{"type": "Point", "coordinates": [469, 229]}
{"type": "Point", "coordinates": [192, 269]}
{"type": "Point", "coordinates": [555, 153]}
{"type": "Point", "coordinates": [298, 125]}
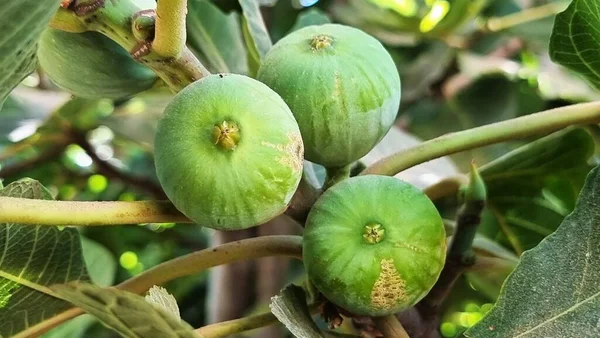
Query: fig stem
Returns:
{"type": "Point", "coordinates": [390, 327]}
{"type": "Point", "coordinates": [193, 263]}
{"type": "Point", "coordinates": [170, 33]}
{"type": "Point", "coordinates": [114, 21]}
{"type": "Point", "coordinates": [230, 327]}
{"type": "Point", "coordinates": [335, 175]}
{"type": "Point", "coordinates": [518, 128]}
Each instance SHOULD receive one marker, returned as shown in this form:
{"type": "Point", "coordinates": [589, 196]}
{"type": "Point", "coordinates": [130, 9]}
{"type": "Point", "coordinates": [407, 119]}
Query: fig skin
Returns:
{"type": "Point", "coordinates": [374, 245]}
{"type": "Point", "coordinates": [228, 152]}
{"type": "Point", "coordinates": [90, 65]}
{"type": "Point", "coordinates": [342, 86]}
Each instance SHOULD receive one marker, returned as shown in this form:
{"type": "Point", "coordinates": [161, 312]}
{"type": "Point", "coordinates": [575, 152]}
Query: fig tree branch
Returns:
{"type": "Point", "coordinates": [170, 36]}
{"type": "Point", "coordinates": [193, 263]}
{"type": "Point", "coordinates": [535, 124]}
{"type": "Point", "coordinates": [265, 246]}
{"type": "Point", "coordinates": [52, 213]}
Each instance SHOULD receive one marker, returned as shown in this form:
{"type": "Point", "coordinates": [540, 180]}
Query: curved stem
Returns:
{"type": "Point", "coordinates": [518, 128]}
{"type": "Point", "coordinates": [287, 246]}
{"type": "Point", "coordinates": [169, 39]}
{"type": "Point", "coordinates": [390, 327]}
{"type": "Point", "coordinates": [114, 21]}
{"type": "Point", "coordinates": [47, 212]}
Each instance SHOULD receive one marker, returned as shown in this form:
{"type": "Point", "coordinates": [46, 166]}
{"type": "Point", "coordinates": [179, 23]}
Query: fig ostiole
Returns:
{"type": "Point", "coordinates": [374, 245]}
{"type": "Point", "coordinates": [228, 152]}
{"type": "Point", "coordinates": [342, 86]}
{"type": "Point", "coordinates": [90, 65]}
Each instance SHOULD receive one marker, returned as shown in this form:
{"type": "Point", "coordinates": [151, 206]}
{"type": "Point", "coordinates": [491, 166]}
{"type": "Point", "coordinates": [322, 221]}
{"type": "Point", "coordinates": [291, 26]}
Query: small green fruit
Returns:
{"type": "Point", "coordinates": [228, 152]}
{"type": "Point", "coordinates": [90, 65]}
{"type": "Point", "coordinates": [374, 245]}
{"type": "Point", "coordinates": [341, 85]}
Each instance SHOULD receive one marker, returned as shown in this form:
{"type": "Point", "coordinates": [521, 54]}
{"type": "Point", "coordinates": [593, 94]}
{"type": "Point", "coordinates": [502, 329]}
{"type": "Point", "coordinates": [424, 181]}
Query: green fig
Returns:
{"type": "Point", "coordinates": [228, 152]}
{"type": "Point", "coordinates": [374, 245]}
{"type": "Point", "coordinates": [342, 86]}
{"type": "Point", "coordinates": [90, 65]}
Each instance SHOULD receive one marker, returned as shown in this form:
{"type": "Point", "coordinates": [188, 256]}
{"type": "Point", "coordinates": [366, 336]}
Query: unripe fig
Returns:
{"type": "Point", "coordinates": [341, 85]}
{"type": "Point", "coordinates": [374, 245]}
{"type": "Point", "coordinates": [90, 65]}
{"type": "Point", "coordinates": [228, 152]}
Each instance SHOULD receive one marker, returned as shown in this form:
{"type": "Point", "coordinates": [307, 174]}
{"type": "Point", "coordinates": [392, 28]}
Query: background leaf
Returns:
{"type": "Point", "coordinates": [554, 291]}
{"type": "Point", "coordinates": [22, 24]}
{"type": "Point", "coordinates": [217, 36]}
{"type": "Point", "coordinates": [575, 40]}
{"type": "Point", "coordinates": [532, 189]}
{"type": "Point", "coordinates": [258, 35]}
{"type": "Point", "coordinates": [33, 258]}
{"type": "Point", "coordinates": [126, 313]}
{"type": "Point", "coordinates": [291, 309]}
{"type": "Point", "coordinates": [310, 17]}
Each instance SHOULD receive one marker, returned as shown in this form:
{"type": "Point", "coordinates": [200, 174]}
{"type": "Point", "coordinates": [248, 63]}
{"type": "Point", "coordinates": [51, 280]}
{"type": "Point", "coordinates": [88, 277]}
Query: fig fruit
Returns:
{"type": "Point", "coordinates": [228, 152]}
{"type": "Point", "coordinates": [90, 65]}
{"type": "Point", "coordinates": [374, 245]}
{"type": "Point", "coordinates": [342, 86]}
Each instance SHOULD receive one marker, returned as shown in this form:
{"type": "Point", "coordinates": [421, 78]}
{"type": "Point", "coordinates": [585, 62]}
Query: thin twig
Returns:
{"type": "Point", "coordinates": [107, 169]}
{"type": "Point", "coordinates": [46, 155]}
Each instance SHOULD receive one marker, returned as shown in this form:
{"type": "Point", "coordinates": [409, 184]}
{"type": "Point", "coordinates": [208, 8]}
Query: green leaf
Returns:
{"type": "Point", "coordinates": [217, 36]}
{"type": "Point", "coordinates": [310, 17]}
{"type": "Point", "coordinates": [554, 291]}
{"type": "Point", "coordinates": [125, 312]}
{"type": "Point", "coordinates": [532, 189]}
{"type": "Point", "coordinates": [100, 262]}
{"type": "Point", "coordinates": [22, 24]}
{"type": "Point", "coordinates": [32, 259]}
{"type": "Point", "coordinates": [291, 309]}
{"type": "Point", "coordinates": [257, 36]}
{"type": "Point", "coordinates": [575, 39]}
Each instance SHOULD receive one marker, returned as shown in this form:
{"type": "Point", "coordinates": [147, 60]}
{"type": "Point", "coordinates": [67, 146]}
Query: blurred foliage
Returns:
{"type": "Point", "coordinates": [463, 64]}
